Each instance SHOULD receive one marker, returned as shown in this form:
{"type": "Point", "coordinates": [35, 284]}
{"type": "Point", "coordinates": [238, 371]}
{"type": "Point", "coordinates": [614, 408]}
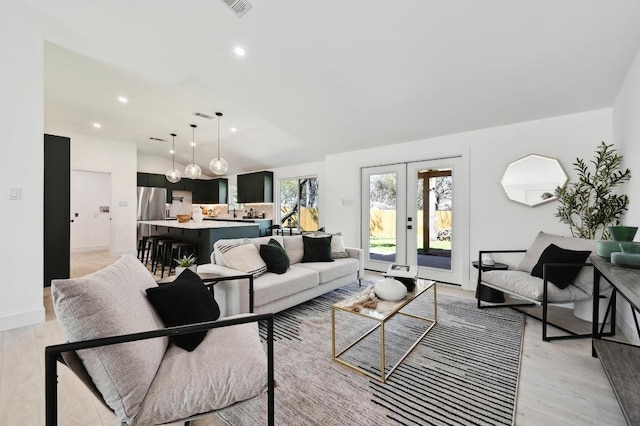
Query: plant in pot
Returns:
{"type": "Point", "coordinates": [186, 262]}
{"type": "Point", "coordinates": [591, 205]}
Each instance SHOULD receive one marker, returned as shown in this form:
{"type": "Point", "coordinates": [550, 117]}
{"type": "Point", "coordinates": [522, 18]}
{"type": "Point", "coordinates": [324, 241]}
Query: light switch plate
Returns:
{"type": "Point", "coordinates": [15, 193]}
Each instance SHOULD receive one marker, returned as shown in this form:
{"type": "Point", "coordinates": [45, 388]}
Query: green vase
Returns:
{"type": "Point", "coordinates": [622, 233]}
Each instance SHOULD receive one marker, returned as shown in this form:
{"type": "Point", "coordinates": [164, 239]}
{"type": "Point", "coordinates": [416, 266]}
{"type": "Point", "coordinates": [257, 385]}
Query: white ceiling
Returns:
{"type": "Point", "coordinates": [325, 76]}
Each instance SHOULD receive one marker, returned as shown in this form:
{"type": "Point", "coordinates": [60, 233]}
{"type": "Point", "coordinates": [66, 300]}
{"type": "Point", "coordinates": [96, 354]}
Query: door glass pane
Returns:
{"type": "Point", "coordinates": [382, 217]}
{"type": "Point", "coordinates": [435, 209]}
{"type": "Point", "coordinates": [299, 203]}
{"type": "Point", "coordinates": [309, 204]}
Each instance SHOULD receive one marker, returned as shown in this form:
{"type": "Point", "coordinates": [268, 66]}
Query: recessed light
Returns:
{"type": "Point", "coordinates": [122, 99]}
{"type": "Point", "coordinates": [171, 151]}
{"type": "Point", "coordinates": [97, 125]}
{"type": "Point", "coordinates": [193, 144]}
{"type": "Point", "coordinates": [239, 51]}
{"type": "Point", "coordinates": [233, 129]}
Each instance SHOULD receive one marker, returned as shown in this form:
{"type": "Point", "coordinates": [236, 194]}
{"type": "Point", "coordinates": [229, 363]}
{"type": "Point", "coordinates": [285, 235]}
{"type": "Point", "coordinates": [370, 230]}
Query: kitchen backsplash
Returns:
{"type": "Point", "coordinates": [255, 210]}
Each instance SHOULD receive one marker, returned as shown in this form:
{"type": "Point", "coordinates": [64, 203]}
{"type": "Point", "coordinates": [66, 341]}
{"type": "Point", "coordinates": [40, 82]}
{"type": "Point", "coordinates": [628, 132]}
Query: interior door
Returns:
{"type": "Point", "coordinates": [384, 201]}
{"type": "Point", "coordinates": [436, 205]}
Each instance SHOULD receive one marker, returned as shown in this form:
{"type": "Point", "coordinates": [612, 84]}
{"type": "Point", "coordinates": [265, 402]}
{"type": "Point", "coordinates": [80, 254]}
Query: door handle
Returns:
{"type": "Point", "coordinates": [71, 220]}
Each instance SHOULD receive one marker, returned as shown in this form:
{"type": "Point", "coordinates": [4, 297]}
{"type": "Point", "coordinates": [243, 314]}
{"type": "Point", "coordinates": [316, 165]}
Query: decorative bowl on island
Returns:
{"type": "Point", "coordinates": [183, 218]}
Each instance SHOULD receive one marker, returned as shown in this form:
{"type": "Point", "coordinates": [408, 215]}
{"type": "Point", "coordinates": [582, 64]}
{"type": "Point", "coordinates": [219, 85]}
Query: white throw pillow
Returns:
{"type": "Point", "coordinates": [243, 256]}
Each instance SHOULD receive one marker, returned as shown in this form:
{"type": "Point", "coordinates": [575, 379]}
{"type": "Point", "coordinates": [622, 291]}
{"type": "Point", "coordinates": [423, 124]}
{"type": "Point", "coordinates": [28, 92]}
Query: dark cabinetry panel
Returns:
{"type": "Point", "coordinates": [255, 187]}
{"type": "Point", "coordinates": [204, 191]}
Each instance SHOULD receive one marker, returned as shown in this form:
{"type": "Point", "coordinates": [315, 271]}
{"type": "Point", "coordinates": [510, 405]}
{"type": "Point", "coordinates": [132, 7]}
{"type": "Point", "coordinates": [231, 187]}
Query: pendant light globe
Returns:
{"type": "Point", "coordinates": [193, 171]}
{"type": "Point", "coordinates": [218, 165]}
{"type": "Point", "coordinates": [173, 175]}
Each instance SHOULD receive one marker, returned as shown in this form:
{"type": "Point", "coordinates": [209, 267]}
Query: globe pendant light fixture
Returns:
{"type": "Point", "coordinates": [192, 170]}
{"type": "Point", "coordinates": [218, 165]}
{"type": "Point", "coordinates": [173, 175]}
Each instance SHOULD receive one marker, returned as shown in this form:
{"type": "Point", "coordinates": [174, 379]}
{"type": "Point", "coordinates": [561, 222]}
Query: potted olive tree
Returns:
{"type": "Point", "coordinates": [590, 205]}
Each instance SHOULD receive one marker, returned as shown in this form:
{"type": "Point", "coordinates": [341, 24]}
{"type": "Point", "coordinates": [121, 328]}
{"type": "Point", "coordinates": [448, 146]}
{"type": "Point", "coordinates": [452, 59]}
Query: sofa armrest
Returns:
{"type": "Point", "coordinates": [53, 355]}
{"type": "Point", "coordinates": [357, 253]}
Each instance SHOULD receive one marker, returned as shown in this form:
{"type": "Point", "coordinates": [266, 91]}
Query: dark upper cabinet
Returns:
{"type": "Point", "coordinates": [255, 187]}
{"type": "Point", "coordinates": [143, 179]}
{"type": "Point", "coordinates": [151, 180]}
{"type": "Point", "coordinates": [212, 191]}
{"type": "Point", "coordinates": [157, 181]}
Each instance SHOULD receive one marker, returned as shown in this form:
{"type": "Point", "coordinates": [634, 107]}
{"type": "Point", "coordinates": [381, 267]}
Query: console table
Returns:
{"type": "Point", "coordinates": [621, 361]}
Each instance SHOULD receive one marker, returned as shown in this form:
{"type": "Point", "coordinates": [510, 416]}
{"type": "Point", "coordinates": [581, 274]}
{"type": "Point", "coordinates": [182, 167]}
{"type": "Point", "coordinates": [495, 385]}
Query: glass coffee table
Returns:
{"type": "Point", "coordinates": [381, 316]}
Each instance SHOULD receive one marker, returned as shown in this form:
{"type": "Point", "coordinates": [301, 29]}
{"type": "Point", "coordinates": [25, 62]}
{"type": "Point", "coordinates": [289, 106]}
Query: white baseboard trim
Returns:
{"type": "Point", "coordinates": [22, 319]}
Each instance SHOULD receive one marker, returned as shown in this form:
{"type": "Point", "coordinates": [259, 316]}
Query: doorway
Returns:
{"type": "Point", "coordinates": [90, 214]}
{"type": "Point", "coordinates": [416, 215]}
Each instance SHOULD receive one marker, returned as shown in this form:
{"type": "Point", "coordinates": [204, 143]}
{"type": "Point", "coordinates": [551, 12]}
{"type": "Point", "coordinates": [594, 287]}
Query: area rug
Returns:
{"type": "Point", "coordinates": [464, 372]}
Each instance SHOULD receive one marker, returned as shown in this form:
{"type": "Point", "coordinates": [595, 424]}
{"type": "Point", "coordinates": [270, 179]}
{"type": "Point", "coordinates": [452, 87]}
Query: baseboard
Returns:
{"type": "Point", "coordinates": [22, 319]}
{"type": "Point", "coordinates": [84, 249]}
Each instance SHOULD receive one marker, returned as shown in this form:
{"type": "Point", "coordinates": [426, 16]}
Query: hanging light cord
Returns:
{"type": "Point", "coordinates": [193, 144]}
{"type": "Point", "coordinates": [218, 137]}
{"type": "Point", "coordinates": [173, 149]}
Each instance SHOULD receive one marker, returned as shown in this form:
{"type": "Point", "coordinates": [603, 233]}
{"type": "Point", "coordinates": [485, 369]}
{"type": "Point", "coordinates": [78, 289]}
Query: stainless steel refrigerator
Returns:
{"type": "Point", "coordinates": [152, 205]}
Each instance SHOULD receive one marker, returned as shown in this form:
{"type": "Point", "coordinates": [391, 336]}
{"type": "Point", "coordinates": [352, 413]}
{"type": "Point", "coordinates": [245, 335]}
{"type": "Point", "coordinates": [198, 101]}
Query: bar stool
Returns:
{"type": "Point", "coordinates": [144, 245]}
{"type": "Point", "coordinates": [180, 249]}
{"type": "Point", "coordinates": [163, 252]}
{"type": "Point", "coordinates": [153, 248]}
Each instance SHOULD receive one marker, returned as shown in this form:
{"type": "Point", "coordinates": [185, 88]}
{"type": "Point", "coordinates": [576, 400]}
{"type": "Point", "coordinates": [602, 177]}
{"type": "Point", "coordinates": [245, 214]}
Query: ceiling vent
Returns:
{"type": "Point", "coordinates": [157, 139]}
{"type": "Point", "coordinates": [239, 7]}
{"type": "Point", "coordinates": [203, 115]}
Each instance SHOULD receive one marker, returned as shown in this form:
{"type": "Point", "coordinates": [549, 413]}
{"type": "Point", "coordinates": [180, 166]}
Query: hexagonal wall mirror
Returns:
{"type": "Point", "coordinates": [532, 180]}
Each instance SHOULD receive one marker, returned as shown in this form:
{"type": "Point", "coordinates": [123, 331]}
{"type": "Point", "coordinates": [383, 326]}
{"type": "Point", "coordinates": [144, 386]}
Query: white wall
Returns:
{"type": "Point", "coordinates": [626, 134]}
{"type": "Point", "coordinates": [495, 222]}
{"type": "Point", "coordinates": [22, 163]}
{"type": "Point", "coordinates": [118, 158]}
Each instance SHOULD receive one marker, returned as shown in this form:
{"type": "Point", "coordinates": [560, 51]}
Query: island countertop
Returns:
{"type": "Point", "coordinates": [210, 224]}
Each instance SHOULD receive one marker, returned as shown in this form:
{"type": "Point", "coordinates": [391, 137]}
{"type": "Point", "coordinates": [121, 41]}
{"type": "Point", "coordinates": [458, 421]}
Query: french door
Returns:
{"type": "Point", "coordinates": [413, 214]}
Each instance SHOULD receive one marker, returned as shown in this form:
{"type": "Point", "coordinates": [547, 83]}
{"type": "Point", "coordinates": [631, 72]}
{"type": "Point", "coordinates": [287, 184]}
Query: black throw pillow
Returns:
{"type": "Point", "coordinates": [317, 249]}
{"type": "Point", "coordinates": [561, 276]}
{"type": "Point", "coordinates": [184, 301]}
{"type": "Point", "coordinates": [275, 257]}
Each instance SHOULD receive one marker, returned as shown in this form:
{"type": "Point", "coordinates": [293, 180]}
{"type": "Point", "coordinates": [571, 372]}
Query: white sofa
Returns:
{"type": "Point", "coordinates": [276, 292]}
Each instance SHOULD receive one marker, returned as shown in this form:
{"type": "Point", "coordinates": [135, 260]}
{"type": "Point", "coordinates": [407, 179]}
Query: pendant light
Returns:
{"type": "Point", "coordinates": [173, 175]}
{"type": "Point", "coordinates": [218, 165]}
{"type": "Point", "coordinates": [192, 170]}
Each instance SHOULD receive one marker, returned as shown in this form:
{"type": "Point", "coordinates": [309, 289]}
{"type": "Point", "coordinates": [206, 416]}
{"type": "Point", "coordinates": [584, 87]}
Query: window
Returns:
{"type": "Point", "coordinates": [299, 203]}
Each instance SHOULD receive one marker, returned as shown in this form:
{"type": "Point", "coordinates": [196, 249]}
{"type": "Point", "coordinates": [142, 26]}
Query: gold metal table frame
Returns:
{"type": "Point", "coordinates": [383, 313]}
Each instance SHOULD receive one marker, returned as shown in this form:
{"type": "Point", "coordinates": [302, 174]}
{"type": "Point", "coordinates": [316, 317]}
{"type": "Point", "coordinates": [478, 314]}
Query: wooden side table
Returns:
{"type": "Point", "coordinates": [488, 294]}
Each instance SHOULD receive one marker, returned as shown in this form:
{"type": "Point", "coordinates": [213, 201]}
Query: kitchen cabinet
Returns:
{"type": "Point", "coordinates": [151, 180]}
{"type": "Point", "coordinates": [212, 191]}
{"type": "Point", "coordinates": [255, 187]}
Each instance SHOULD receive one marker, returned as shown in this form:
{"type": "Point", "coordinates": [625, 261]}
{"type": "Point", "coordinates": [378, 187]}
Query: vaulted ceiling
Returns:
{"type": "Point", "coordinates": [325, 76]}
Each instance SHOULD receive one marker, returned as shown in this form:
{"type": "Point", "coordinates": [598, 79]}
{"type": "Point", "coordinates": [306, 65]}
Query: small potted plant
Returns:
{"type": "Point", "coordinates": [186, 262]}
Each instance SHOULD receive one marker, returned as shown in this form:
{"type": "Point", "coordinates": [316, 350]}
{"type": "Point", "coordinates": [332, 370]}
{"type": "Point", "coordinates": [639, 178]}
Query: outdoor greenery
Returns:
{"type": "Point", "coordinates": [589, 205]}
{"type": "Point", "coordinates": [384, 245]}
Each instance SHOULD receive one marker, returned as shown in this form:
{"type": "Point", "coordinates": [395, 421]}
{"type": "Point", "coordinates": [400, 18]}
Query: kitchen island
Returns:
{"type": "Point", "coordinates": [204, 234]}
{"type": "Point", "coordinates": [265, 224]}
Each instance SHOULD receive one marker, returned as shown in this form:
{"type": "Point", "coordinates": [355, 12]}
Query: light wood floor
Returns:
{"type": "Point", "coordinates": [560, 383]}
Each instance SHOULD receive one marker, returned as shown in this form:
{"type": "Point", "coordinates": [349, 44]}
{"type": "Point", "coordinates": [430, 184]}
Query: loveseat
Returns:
{"type": "Point", "coordinates": [273, 292]}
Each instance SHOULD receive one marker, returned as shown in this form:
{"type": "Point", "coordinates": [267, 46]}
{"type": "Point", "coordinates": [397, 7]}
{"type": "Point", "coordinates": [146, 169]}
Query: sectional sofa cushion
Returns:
{"type": "Point", "coordinates": [271, 287]}
{"type": "Point", "coordinates": [185, 301]}
{"type": "Point", "coordinates": [109, 302]}
{"type": "Point", "coordinates": [294, 248]}
{"type": "Point", "coordinates": [330, 271]}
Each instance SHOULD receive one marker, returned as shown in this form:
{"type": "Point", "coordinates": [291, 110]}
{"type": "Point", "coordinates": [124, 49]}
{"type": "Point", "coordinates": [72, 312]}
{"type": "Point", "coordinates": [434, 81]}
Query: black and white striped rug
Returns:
{"type": "Point", "coordinates": [464, 372]}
